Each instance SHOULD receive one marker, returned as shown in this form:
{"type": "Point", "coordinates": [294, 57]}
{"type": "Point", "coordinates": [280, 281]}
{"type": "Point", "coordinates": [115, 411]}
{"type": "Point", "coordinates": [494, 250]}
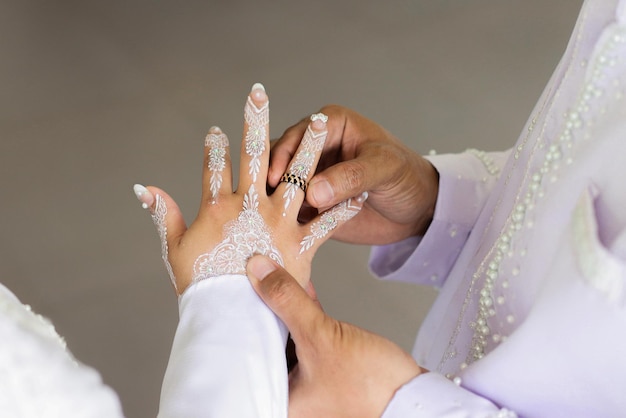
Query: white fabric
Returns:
{"type": "Point", "coordinates": [227, 360]}
{"type": "Point", "coordinates": [228, 355]}
{"type": "Point", "coordinates": [38, 375]}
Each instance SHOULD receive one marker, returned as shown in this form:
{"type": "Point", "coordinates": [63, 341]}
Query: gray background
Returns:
{"type": "Point", "coordinates": [95, 96]}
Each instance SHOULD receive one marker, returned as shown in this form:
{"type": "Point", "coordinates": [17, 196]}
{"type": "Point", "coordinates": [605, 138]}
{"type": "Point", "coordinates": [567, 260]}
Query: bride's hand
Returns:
{"type": "Point", "coordinates": [231, 226]}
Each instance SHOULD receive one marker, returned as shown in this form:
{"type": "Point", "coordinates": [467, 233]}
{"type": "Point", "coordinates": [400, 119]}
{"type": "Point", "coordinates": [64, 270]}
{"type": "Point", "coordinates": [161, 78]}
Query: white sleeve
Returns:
{"type": "Point", "coordinates": [228, 355]}
{"type": "Point", "coordinates": [39, 377]}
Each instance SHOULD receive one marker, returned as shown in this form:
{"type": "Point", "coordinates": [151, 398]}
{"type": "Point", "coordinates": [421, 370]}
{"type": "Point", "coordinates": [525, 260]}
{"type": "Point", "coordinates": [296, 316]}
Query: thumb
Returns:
{"type": "Point", "coordinates": [340, 182]}
{"type": "Point", "coordinates": [168, 220]}
{"type": "Point", "coordinates": [286, 298]}
{"type": "Point", "coordinates": [164, 211]}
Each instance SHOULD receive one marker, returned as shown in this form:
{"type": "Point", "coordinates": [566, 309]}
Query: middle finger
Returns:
{"type": "Point", "coordinates": [255, 144]}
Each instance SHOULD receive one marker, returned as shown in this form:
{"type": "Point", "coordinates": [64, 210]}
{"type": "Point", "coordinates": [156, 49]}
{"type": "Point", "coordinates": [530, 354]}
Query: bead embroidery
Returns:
{"type": "Point", "coordinates": [450, 351]}
{"type": "Point", "coordinates": [23, 317]}
{"type": "Point", "coordinates": [257, 119]}
{"type": "Point", "coordinates": [158, 217]}
{"type": "Point", "coordinates": [312, 143]}
{"type": "Point", "coordinates": [490, 165]}
{"type": "Point", "coordinates": [245, 236]}
{"type": "Point", "coordinates": [217, 144]}
{"type": "Point", "coordinates": [548, 172]}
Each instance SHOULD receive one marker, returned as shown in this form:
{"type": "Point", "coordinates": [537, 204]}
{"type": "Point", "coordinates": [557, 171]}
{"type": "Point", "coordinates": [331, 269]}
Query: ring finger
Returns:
{"type": "Point", "coordinates": [294, 181]}
{"type": "Point", "coordinates": [216, 163]}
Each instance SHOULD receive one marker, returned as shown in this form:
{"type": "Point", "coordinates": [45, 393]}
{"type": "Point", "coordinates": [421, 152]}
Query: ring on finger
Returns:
{"type": "Point", "coordinates": [293, 179]}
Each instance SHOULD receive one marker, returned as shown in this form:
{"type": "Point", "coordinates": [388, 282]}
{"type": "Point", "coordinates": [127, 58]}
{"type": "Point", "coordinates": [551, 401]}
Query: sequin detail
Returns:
{"type": "Point", "coordinates": [257, 120]}
{"type": "Point", "coordinates": [217, 144]}
{"type": "Point", "coordinates": [158, 217]}
{"type": "Point", "coordinates": [244, 237]}
{"type": "Point", "coordinates": [312, 143]}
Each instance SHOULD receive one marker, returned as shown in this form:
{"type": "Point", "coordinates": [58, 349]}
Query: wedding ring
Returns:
{"type": "Point", "coordinates": [293, 179]}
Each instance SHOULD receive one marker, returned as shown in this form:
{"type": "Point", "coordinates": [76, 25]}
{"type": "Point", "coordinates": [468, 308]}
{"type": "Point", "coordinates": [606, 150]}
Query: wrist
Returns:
{"type": "Point", "coordinates": [428, 197]}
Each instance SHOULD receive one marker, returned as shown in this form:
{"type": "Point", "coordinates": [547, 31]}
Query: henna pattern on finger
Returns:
{"type": "Point", "coordinates": [330, 219]}
{"type": "Point", "coordinates": [257, 119]}
{"type": "Point", "coordinates": [217, 143]}
{"type": "Point", "coordinates": [312, 143]}
{"type": "Point", "coordinates": [244, 237]}
{"type": "Point", "coordinates": [158, 217]}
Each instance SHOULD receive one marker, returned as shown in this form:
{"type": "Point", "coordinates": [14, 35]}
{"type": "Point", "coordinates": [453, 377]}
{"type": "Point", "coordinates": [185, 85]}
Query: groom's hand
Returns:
{"type": "Point", "coordinates": [343, 370]}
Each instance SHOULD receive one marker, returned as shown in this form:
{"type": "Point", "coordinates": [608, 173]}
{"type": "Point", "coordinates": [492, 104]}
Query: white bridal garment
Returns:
{"type": "Point", "coordinates": [39, 378]}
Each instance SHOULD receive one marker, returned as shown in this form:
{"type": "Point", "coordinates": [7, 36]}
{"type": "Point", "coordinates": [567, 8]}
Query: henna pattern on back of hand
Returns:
{"type": "Point", "coordinates": [245, 236]}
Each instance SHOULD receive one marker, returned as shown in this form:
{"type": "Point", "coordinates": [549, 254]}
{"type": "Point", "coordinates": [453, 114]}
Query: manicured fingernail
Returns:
{"type": "Point", "coordinates": [258, 93]}
{"type": "Point", "coordinates": [260, 267]}
{"type": "Point", "coordinates": [215, 130]}
{"type": "Point", "coordinates": [322, 192]}
{"type": "Point", "coordinates": [318, 121]}
{"type": "Point", "coordinates": [362, 197]}
{"type": "Point", "coordinates": [144, 196]}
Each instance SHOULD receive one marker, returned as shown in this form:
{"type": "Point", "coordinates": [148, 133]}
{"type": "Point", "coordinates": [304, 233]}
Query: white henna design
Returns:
{"type": "Point", "coordinates": [245, 236]}
{"type": "Point", "coordinates": [312, 143]}
{"type": "Point", "coordinates": [329, 220]}
{"type": "Point", "coordinates": [158, 217]}
{"type": "Point", "coordinates": [217, 144]}
{"type": "Point", "coordinates": [256, 119]}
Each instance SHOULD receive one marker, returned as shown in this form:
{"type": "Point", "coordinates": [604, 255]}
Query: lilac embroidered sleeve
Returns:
{"type": "Point", "coordinates": [432, 395]}
{"type": "Point", "coordinates": [465, 181]}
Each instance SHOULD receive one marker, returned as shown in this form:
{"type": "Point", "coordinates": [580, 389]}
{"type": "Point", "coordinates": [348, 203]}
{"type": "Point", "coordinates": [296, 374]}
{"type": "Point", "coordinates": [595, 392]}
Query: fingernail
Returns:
{"type": "Point", "coordinates": [319, 116]}
{"type": "Point", "coordinates": [215, 130]}
{"type": "Point", "coordinates": [318, 121]}
{"type": "Point", "coordinates": [260, 267]}
{"type": "Point", "coordinates": [143, 195]}
{"type": "Point", "coordinates": [362, 198]}
{"type": "Point", "coordinates": [258, 92]}
{"type": "Point", "coordinates": [322, 192]}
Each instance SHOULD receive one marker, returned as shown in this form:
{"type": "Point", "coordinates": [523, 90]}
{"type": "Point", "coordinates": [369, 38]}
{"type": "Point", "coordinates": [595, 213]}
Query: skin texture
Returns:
{"type": "Point", "coordinates": [343, 370]}
{"type": "Point", "coordinates": [183, 246]}
{"type": "Point", "coordinates": [359, 155]}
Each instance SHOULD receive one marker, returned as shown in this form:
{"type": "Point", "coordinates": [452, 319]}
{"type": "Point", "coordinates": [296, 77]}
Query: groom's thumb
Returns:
{"type": "Point", "coordinates": [286, 298]}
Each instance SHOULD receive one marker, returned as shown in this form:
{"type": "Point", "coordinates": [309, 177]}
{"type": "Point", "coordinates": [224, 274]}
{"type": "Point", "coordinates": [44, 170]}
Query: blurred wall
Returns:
{"type": "Point", "coordinates": [96, 96]}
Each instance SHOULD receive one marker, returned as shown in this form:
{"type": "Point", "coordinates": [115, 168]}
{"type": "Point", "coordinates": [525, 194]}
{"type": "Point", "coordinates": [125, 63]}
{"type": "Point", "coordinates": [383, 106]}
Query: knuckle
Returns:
{"type": "Point", "coordinates": [332, 109]}
{"type": "Point", "coordinates": [353, 176]}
